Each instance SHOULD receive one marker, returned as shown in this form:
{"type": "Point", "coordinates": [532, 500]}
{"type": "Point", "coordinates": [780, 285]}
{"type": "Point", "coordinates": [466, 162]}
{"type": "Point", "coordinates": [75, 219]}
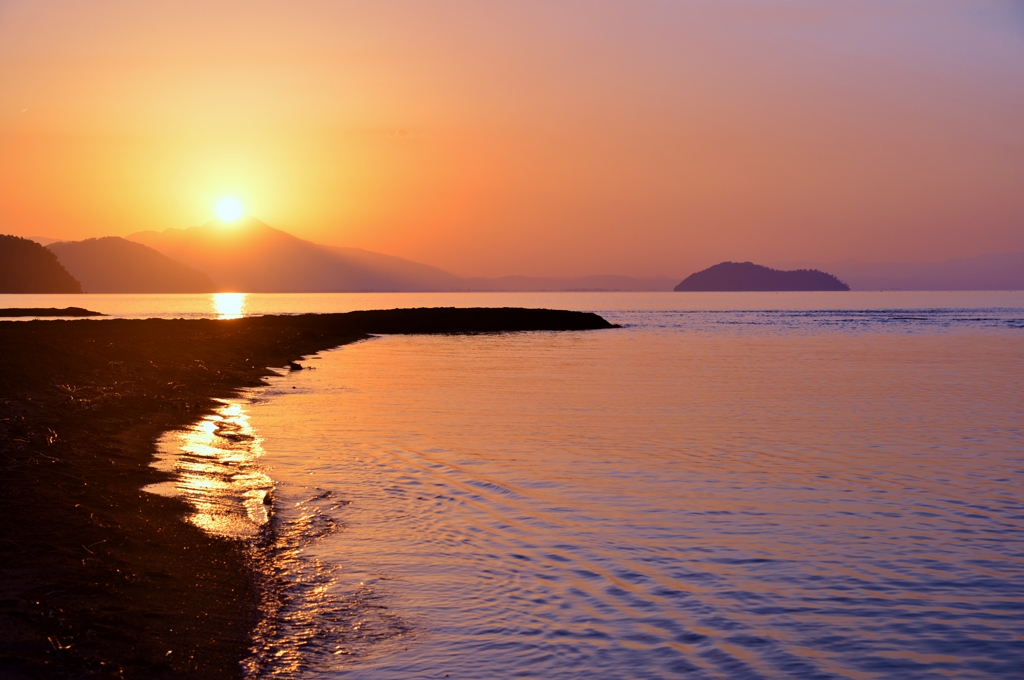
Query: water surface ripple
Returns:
{"type": "Point", "coordinates": [730, 494]}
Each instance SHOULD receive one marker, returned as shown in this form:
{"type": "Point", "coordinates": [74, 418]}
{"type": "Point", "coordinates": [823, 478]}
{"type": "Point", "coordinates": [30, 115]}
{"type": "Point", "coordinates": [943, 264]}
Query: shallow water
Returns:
{"type": "Point", "coordinates": [724, 493]}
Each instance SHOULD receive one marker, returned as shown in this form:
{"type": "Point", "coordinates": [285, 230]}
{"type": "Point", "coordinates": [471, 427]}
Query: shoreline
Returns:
{"type": "Point", "coordinates": [100, 578]}
{"type": "Point", "coordinates": [15, 312]}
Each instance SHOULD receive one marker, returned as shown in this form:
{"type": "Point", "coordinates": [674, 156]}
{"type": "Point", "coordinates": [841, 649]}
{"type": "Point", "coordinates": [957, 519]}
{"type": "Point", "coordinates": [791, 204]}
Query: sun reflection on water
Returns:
{"type": "Point", "coordinates": [228, 305]}
{"type": "Point", "coordinates": [214, 468]}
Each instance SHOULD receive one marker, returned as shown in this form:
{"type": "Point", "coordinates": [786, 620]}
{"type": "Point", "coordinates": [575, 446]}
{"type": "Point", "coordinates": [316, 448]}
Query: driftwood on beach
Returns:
{"type": "Point", "coordinates": [98, 578]}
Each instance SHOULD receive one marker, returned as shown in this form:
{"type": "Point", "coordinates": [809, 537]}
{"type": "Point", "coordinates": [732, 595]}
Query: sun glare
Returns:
{"type": "Point", "coordinates": [228, 305]}
{"type": "Point", "coordinates": [229, 209]}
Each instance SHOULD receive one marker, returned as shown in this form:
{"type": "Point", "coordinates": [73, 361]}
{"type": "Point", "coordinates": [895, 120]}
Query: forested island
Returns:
{"type": "Point", "coordinates": [750, 277]}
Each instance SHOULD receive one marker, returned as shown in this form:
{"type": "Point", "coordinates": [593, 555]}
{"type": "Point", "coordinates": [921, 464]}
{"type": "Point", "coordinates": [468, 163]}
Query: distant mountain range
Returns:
{"type": "Point", "coordinates": [27, 267]}
{"type": "Point", "coordinates": [254, 257]}
{"type": "Point", "coordinates": [747, 276]}
{"type": "Point", "coordinates": [598, 282]}
{"type": "Point", "coordinates": [115, 265]}
{"type": "Point", "coordinates": [42, 240]}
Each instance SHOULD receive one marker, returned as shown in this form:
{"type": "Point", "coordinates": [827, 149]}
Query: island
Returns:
{"type": "Point", "coordinates": [750, 277]}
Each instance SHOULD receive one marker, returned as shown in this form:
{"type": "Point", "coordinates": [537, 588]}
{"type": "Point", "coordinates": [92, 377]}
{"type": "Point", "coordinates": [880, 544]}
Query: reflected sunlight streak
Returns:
{"type": "Point", "coordinates": [229, 305]}
{"type": "Point", "coordinates": [214, 468]}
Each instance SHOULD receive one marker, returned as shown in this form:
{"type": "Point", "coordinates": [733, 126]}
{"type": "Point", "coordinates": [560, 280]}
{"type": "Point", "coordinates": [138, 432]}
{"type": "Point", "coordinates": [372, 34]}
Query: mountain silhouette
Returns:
{"type": "Point", "coordinates": [42, 240]}
{"type": "Point", "coordinates": [27, 267]}
{"type": "Point", "coordinates": [596, 282]}
{"type": "Point", "coordinates": [397, 272]}
{"type": "Point", "coordinates": [747, 276]}
{"type": "Point", "coordinates": [115, 265]}
{"type": "Point", "coordinates": [252, 257]}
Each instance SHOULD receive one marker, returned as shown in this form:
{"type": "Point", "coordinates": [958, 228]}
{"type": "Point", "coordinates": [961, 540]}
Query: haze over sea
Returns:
{"type": "Point", "coordinates": [731, 485]}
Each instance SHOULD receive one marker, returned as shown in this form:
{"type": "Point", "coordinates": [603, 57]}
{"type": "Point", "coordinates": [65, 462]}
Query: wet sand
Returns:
{"type": "Point", "coordinates": [100, 579]}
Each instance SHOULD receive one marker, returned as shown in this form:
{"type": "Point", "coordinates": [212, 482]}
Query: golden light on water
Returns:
{"type": "Point", "coordinates": [214, 467]}
{"type": "Point", "coordinates": [229, 305]}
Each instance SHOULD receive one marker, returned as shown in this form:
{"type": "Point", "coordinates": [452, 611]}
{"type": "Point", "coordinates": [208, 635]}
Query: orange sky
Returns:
{"type": "Point", "coordinates": [542, 138]}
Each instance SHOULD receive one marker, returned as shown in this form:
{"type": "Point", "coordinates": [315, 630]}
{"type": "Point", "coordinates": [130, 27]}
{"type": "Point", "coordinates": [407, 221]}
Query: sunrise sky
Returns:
{"type": "Point", "coordinates": [540, 138]}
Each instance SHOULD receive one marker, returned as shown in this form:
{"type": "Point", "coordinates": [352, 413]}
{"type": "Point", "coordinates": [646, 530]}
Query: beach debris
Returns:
{"type": "Point", "coordinates": [293, 366]}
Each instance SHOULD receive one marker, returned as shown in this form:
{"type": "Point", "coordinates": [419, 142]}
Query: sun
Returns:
{"type": "Point", "coordinates": [229, 209]}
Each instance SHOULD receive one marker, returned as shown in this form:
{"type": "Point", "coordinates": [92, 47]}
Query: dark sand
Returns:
{"type": "Point", "coordinates": [97, 578]}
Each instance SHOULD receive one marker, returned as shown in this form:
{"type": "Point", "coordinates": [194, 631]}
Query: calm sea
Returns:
{"type": "Point", "coordinates": [729, 486]}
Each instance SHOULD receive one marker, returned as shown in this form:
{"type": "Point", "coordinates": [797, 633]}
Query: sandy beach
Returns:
{"type": "Point", "coordinates": [99, 578]}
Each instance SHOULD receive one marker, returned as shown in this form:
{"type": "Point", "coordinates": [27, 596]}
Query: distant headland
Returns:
{"type": "Point", "coordinates": [27, 267]}
{"type": "Point", "coordinates": [8, 312]}
{"type": "Point", "coordinates": [747, 276]}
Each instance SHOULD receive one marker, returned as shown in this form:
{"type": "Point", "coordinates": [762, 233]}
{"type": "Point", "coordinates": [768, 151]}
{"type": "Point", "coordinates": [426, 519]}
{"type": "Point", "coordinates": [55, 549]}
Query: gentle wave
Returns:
{"type": "Point", "coordinates": [824, 321]}
{"type": "Point", "coordinates": [721, 494]}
